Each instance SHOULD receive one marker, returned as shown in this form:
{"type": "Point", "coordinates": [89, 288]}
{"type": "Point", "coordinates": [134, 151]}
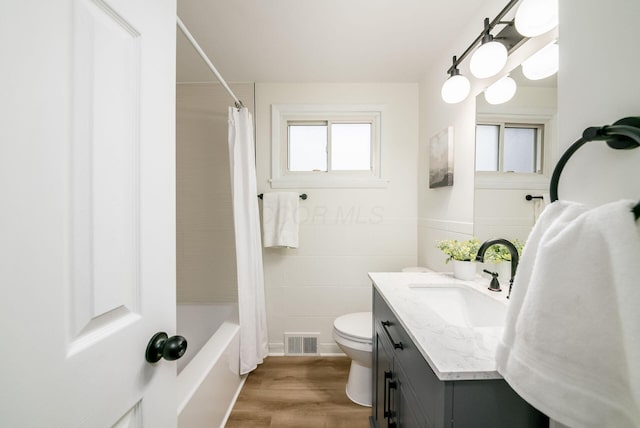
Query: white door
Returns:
{"type": "Point", "coordinates": [87, 212]}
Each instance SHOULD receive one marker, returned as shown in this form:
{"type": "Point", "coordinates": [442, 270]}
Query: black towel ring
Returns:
{"type": "Point", "coordinates": [622, 135]}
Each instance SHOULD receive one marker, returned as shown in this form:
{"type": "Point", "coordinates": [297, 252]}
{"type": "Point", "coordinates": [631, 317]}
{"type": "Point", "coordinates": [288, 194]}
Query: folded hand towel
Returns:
{"type": "Point", "coordinates": [571, 345]}
{"type": "Point", "coordinates": [280, 219]}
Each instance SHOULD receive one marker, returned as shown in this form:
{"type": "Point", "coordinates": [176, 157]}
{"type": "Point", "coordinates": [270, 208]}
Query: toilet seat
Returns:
{"type": "Point", "coordinates": [356, 327]}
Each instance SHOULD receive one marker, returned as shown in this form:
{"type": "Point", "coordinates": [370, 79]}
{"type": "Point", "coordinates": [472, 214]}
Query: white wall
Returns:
{"type": "Point", "coordinates": [206, 258]}
{"type": "Point", "coordinates": [344, 233]}
{"type": "Point", "coordinates": [447, 213]}
{"type": "Point", "coordinates": [598, 84]}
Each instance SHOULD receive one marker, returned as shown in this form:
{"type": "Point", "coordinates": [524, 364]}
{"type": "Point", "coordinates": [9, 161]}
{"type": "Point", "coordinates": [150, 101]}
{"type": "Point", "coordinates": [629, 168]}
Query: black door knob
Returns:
{"type": "Point", "coordinates": [163, 346]}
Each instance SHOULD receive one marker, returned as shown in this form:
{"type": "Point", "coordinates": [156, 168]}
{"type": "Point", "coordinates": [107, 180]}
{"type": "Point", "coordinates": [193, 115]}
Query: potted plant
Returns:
{"type": "Point", "coordinates": [463, 255]}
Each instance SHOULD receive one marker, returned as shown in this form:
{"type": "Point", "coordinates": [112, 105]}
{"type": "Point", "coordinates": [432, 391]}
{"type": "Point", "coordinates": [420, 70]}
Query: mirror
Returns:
{"type": "Point", "coordinates": [500, 207]}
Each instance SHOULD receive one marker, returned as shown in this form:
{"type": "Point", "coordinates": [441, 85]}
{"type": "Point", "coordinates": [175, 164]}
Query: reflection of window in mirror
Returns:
{"type": "Point", "coordinates": [509, 147]}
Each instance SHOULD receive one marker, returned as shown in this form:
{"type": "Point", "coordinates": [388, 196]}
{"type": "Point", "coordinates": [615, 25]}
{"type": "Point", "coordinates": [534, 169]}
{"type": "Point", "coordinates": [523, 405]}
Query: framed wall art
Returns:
{"type": "Point", "coordinates": [441, 159]}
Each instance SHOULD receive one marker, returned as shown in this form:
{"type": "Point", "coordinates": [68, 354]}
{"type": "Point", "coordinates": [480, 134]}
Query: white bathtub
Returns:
{"type": "Point", "coordinates": [208, 374]}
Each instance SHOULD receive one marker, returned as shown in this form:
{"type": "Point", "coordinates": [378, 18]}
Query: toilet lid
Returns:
{"type": "Point", "coordinates": [358, 325]}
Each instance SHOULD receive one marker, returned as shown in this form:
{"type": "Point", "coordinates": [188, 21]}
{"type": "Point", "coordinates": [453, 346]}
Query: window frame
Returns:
{"type": "Point", "coordinates": [284, 114]}
{"type": "Point", "coordinates": [519, 180]}
{"type": "Point", "coordinates": [539, 144]}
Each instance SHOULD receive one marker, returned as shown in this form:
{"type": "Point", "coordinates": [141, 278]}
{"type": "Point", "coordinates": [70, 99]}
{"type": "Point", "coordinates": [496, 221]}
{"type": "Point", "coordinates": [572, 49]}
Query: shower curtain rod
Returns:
{"type": "Point", "coordinates": [204, 56]}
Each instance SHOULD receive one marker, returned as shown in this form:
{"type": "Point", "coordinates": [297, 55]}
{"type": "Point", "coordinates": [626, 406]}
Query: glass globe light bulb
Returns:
{"type": "Point", "coordinates": [455, 89]}
{"type": "Point", "coordinates": [501, 91]}
{"type": "Point", "coordinates": [488, 59]}
{"type": "Point", "coordinates": [535, 17]}
{"type": "Point", "coordinates": [542, 64]}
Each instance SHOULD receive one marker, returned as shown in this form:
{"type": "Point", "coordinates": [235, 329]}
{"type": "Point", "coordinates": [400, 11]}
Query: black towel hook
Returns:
{"type": "Point", "coordinates": [622, 135]}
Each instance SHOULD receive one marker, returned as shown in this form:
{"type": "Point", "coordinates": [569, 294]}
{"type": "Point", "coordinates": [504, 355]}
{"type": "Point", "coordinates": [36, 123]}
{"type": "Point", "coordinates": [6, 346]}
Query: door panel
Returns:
{"type": "Point", "coordinates": [132, 419]}
{"type": "Point", "coordinates": [87, 255]}
{"type": "Point", "coordinates": [406, 402]}
{"type": "Point", "coordinates": [105, 172]}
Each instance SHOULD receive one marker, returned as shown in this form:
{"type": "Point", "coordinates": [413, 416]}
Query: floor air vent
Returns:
{"type": "Point", "coordinates": [301, 343]}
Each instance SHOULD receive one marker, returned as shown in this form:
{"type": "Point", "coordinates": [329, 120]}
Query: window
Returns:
{"type": "Point", "coordinates": [308, 147]}
{"type": "Point", "coordinates": [326, 146]}
{"type": "Point", "coordinates": [508, 147]}
{"type": "Point", "coordinates": [351, 146]}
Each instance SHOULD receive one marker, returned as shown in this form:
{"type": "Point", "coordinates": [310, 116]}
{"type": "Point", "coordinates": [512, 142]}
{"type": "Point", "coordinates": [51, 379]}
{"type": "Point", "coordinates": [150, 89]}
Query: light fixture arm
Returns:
{"type": "Point", "coordinates": [486, 35]}
{"type": "Point", "coordinates": [488, 26]}
{"type": "Point", "coordinates": [453, 71]}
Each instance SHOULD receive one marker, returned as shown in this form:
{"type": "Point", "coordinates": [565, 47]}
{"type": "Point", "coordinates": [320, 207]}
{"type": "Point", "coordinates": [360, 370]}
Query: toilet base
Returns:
{"type": "Point", "coordinates": [359, 384]}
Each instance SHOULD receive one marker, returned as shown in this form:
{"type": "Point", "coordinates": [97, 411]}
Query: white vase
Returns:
{"type": "Point", "coordinates": [465, 271]}
{"type": "Point", "coordinates": [503, 269]}
{"type": "Point", "coordinates": [504, 272]}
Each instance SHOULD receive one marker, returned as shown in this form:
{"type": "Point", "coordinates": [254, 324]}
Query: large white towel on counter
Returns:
{"type": "Point", "coordinates": [571, 345]}
{"type": "Point", "coordinates": [280, 219]}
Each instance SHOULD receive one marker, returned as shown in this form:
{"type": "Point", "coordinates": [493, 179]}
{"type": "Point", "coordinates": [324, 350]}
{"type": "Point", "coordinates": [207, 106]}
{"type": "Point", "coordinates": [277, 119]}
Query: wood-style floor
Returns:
{"type": "Point", "coordinates": [298, 392]}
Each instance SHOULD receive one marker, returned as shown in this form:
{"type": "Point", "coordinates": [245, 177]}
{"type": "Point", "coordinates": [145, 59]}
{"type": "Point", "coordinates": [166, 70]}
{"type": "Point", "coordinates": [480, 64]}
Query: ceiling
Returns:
{"type": "Point", "coordinates": [322, 41]}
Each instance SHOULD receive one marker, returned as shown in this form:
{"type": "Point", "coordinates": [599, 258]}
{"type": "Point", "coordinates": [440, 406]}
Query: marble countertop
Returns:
{"type": "Point", "coordinates": [453, 352]}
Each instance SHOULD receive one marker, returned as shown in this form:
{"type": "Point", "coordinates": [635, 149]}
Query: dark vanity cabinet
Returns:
{"type": "Point", "coordinates": [407, 393]}
{"type": "Point", "coordinates": [395, 403]}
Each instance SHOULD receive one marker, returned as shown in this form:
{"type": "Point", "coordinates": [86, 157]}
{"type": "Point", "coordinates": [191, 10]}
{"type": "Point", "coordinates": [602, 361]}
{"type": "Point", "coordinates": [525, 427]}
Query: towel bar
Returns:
{"type": "Point", "coordinates": [530, 197]}
{"type": "Point", "coordinates": [622, 135]}
{"type": "Point", "coordinates": [302, 196]}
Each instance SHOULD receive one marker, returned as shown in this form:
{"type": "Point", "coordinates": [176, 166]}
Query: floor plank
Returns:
{"type": "Point", "coordinates": [298, 392]}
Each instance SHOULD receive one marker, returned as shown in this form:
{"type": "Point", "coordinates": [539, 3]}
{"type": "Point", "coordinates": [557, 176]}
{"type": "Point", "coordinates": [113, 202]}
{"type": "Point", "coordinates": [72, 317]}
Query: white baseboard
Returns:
{"type": "Point", "coordinates": [233, 402]}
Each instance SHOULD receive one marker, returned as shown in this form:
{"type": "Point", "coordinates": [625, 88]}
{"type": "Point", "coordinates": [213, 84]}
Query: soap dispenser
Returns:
{"type": "Point", "coordinates": [495, 284]}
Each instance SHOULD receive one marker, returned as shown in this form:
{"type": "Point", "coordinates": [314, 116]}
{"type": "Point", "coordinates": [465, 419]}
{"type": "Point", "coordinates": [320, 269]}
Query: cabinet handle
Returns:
{"type": "Point", "coordinates": [392, 413]}
{"type": "Point", "coordinates": [396, 345]}
{"type": "Point", "coordinates": [385, 402]}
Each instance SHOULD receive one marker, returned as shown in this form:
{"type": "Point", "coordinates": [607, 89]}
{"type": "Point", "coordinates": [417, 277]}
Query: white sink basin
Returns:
{"type": "Point", "coordinates": [461, 306]}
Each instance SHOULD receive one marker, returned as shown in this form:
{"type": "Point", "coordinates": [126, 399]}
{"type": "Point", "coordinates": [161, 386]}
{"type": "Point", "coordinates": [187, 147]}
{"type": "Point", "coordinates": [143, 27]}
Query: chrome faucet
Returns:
{"type": "Point", "coordinates": [512, 250]}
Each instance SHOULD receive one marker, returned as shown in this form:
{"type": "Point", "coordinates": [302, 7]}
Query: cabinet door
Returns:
{"type": "Point", "coordinates": [405, 404]}
{"type": "Point", "coordinates": [492, 403]}
{"type": "Point", "coordinates": [382, 374]}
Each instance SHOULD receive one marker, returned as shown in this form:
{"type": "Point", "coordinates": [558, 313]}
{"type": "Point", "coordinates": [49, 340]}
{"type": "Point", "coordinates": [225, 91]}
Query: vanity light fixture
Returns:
{"type": "Point", "coordinates": [488, 60]}
{"type": "Point", "coordinates": [490, 57]}
{"type": "Point", "coordinates": [536, 17]}
{"type": "Point", "coordinates": [501, 91]}
{"type": "Point", "coordinates": [457, 86]}
{"type": "Point", "coordinates": [543, 63]}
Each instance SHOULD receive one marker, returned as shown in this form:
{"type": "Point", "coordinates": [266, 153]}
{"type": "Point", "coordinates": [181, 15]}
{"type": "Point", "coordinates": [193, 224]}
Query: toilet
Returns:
{"type": "Point", "coordinates": [352, 333]}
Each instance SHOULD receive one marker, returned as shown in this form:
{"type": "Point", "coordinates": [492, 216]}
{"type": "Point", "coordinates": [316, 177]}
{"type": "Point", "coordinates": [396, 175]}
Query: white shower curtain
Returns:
{"type": "Point", "coordinates": [251, 303]}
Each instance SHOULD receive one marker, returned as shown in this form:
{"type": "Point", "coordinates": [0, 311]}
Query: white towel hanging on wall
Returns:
{"type": "Point", "coordinates": [539, 205]}
{"type": "Point", "coordinates": [280, 219]}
